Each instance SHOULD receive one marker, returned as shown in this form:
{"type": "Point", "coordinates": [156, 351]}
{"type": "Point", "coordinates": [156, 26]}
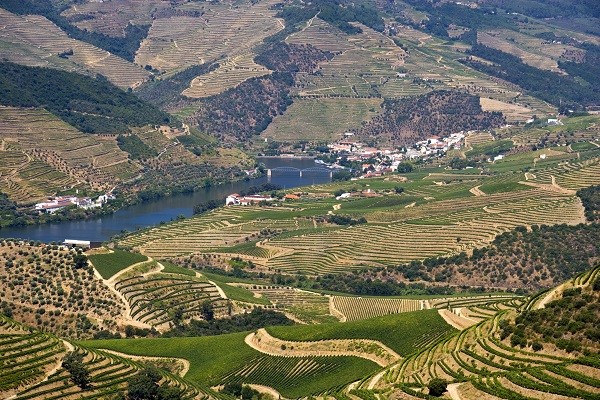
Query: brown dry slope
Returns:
{"type": "Point", "coordinates": [40, 41]}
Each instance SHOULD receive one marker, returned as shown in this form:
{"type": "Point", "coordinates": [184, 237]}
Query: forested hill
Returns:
{"type": "Point", "coordinates": [406, 121]}
{"type": "Point", "coordinates": [92, 105]}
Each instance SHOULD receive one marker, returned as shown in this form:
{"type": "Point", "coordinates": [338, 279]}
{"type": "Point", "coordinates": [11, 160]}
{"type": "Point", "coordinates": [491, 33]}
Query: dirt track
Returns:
{"type": "Point", "coordinates": [368, 349]}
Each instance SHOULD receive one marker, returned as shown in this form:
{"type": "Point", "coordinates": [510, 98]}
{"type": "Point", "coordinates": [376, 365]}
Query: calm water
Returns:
{"type": "Point", "coordinates": [166, 209]}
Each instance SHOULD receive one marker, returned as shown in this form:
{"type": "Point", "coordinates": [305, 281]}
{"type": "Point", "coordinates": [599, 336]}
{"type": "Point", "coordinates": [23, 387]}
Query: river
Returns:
{"type": "Point", "coordinates": [165, 209]}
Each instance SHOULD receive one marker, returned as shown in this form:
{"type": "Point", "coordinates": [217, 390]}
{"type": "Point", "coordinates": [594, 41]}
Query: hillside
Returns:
{"type": "Point", "coordinates": [55, 289]}
{"type": "Point", "coordinates": [405, 122]}
{"type": "Point", "coordinates": [91, 105]}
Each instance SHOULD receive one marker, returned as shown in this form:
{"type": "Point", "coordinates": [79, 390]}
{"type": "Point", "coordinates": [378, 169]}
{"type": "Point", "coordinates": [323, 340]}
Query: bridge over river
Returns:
{"type": "Point", "coordinates": [301, 172]}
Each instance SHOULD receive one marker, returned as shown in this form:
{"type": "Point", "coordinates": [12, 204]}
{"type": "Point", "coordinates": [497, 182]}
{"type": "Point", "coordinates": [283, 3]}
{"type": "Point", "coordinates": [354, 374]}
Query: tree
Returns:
{"type": "Point", "coordinates": [80, 261]}
{"type": "Point", "coordinates": [405, 167]}
{"type": "Point", "coordinates": [234, 389]}
{"type": "Point", "coordinates": [143, 385]}
{"type": "Point", "coordinates": [207, 310]}
{"type": "Point", "coordinates": [437, 387]}
{"type": "Point", "coordinates": [73, 363]}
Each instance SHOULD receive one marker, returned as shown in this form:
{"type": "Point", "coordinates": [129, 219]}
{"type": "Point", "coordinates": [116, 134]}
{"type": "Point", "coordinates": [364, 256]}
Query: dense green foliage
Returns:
{"type": "Point", "coordinates": [9, 215]}
{"type": "Point", "coordinates": [559, 90]}
{"type": "Point", "coordinates": [145, 386]}
{"type": "Point", "coordinates": [344, 220]}
{"type": "Point", "coordinates": [590, 198]}
{"type": "Point", "coordinates": [73, 363]}
{"type": "Point", "coordinates": [168, 90]}
{"type": "Point", "coordinates": [201, 208]}
{"type": "Point", "coordinates": [92, 105]}
{"type": "Point", "coordinates": [135, 147]}
{"type": "Point", "coordinates": [244, 111]}
{"type": "Point", "coordinates": [571, 322]}
{"type": "Point", "coordinates": [124, 47]}
{"type": "Point", "coordinates": [403, 332]}
{"type": "Point", "coordinates": [442, 15]}
{"type": "Point", "coordinates": [110, 263]}
{"type": "Point", "coordinates": [437, 387]}
{"type": "Point", "coordinates": [257, 318]}
{"type": "Point", "coordinates": [589, 69]}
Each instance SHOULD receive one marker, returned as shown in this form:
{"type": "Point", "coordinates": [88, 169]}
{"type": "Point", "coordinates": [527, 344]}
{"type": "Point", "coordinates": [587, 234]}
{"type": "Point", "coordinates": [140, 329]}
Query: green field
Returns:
{"type": "Point", "coordinates": [111, 263]}
{"type": "Point", "coordinates": [235, 292]}
{"type": "Point", "coordinates": [218, 359]}
{"type": "Point", "coordinates": [296, 377]}
{"type": "Point", "coordinates": [171, 268]}
{"type": "Point", "coordinates": [404, 333]}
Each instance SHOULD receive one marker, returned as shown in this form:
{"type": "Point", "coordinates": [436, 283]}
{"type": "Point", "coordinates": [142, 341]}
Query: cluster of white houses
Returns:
{"type": "Point", "coordinates": [235, 199]}
{"type": "Point", "coordinates": [59, 202]}
{"type": "Point", "coordinates": [377, 161]}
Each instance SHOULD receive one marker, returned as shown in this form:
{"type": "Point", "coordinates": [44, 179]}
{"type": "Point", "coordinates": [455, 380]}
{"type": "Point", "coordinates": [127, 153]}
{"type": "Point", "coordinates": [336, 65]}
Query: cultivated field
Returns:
{"type": "Point", "coordinates": [446, 215]}
{"type": "Point", "coordinates": [216, 360]}
{"type": "Point", "coordinates": [112, 18]}
{"type": "Point", "coordinates": [404, 333]}
{"type": "Point", "coordinates": [31, 368]}
{"type": "Point", "coordinates": [46, 290]}
{"type": "Point", "coordinates": [53, 156]}
{"type": "Point", "coordinates": [355, 308]}
{"type": "Point", "coordinates": [222, 31]}
{"type": "Point", "coordinates": [230, 73]}
{"type": "Point", "coordinates": [321, 120]}
{"type": "Point", "coordinates": [489, 367]}
{"type": "Point", "coordinates": [40, 41]}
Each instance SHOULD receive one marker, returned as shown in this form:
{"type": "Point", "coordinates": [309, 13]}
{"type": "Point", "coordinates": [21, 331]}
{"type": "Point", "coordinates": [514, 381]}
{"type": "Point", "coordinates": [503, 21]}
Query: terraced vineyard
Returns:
{"type": "Point", "coordinates": [445, 218]}
{"type": "Point", "coordinates": [40, 42]}
{"type": "Point", "coordinates": [27, 356]}
{"type": "Point", "coordinates": [161, 299]}
{"type": "Point", "coordinates": [54, 156]}
{"type": "Point", "coordinates": [364, 60]}
{"type": "Point", "coordinates": [355, 308]}
{"type": "Point", "coordinates": [306, 306]}
{"type": "Point", "coordinates": [321, 119]}
{"type": "Point", "coordinates": [572, 175]}
{"type": "Point", "coordinates": [112, 19]}
{"type": "Point", "coordinates": [573, 130]}
{"type": "Point", "coordinates": [488, 366]}
{"type": "Point", "coordinates": [230, 73]}
{"type": "Point", "coordinates": [180, 41]}
{"type": "Point", "coordinates": [31, 368]}
{"type": "Point", "coordinates": [298, 377]}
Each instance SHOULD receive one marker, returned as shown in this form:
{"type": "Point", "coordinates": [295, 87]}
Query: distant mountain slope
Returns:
{"type": "Point", "coordinates": [93, 105]}
{"type": "Point", "coordinates": [124, 47]}
{"type": "Point", "coordinates": [34, 40]}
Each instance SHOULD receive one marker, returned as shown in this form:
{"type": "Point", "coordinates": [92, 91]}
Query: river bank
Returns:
{"type": "Point", "coordinates": [165, 209]}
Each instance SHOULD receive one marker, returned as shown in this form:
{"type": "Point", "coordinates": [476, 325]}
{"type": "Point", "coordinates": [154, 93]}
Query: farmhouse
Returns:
{"type": "Point", "coordinates": [57, 203]}
{"type": "Point", "coordinates": [235, 199]}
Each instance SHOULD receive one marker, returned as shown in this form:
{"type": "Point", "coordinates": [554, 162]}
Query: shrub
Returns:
{"type": "Point", "coordinates": [437, 387]}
